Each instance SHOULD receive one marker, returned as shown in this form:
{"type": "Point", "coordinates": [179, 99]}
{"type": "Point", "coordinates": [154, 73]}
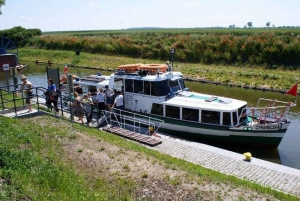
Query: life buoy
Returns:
{"type": "Point", "coordinates": [154, 67]}
{"type": "Point", "coordinates": [129, 67]}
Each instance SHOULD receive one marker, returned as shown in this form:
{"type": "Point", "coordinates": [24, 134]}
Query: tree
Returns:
{"type": "Point", "coordinates": [2, 3]}
{"type": "Point", "coordinates": [232, 26]}
{"type": "Point", "coordinates": [268, 24]}
{"type": "Point", "coordinates": [249, 24]}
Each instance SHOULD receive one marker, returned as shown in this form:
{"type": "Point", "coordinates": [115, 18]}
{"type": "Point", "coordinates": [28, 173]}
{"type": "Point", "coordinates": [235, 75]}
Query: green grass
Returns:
{"type": "Point", "coordinates": [32, 166]}
{"type": "Point", "coordinates": [253, 76]}
{"type": "Point", "coordinates": [7, 98]}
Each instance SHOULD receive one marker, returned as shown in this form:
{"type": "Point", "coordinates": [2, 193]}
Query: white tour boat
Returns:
{"type": "Point", "coordinates": [158, 92]}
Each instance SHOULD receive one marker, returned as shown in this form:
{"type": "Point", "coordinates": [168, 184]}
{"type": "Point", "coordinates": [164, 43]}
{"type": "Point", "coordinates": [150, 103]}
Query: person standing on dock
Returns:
{"type": "Point", "coordinates": [118, 103]}
{"type": "Point", "coordinates": [87, 101]}
{"type": "Point", "coordinates": [52, 96]}
{"type": "Point", "coordinates": [108, 93]}
{"type": "Point", "coordinates": [101, 101]}
{"type": "Point", "coordinates": [78, 109]}
{"type": "Point", "coordinates": [26, 88]}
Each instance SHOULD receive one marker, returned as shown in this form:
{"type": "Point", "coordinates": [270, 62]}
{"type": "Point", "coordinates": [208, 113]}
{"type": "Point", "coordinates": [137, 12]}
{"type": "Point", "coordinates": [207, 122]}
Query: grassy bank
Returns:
{"type": "Point", "coordinates": [268, 47]}
{"type": "Point", "coordinates": [244, 76]}
{"type": "Point", "coordinates": [45, 158]}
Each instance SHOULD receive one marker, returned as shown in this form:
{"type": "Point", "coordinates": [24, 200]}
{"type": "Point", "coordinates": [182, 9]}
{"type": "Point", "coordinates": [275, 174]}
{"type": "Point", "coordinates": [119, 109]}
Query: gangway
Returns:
{"type": "Point", "coordinates": [131, 125]}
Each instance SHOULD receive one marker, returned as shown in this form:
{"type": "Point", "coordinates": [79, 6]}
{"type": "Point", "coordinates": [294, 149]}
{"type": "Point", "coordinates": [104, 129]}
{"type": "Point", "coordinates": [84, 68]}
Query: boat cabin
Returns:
{"type": "Point", "coordinates": [164, 95]}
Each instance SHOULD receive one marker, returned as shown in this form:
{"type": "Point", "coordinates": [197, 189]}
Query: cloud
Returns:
{"type": "Point", "coordinates": [26, 18]}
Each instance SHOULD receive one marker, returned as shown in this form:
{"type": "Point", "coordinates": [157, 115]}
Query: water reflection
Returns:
{"type": "Point", "coordinates": [287, 152]}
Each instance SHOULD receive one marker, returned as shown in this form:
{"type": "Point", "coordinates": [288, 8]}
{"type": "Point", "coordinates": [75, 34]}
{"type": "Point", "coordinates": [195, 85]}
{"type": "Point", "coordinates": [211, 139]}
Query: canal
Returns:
{"type": "Point", "coordinates": [286, 154]}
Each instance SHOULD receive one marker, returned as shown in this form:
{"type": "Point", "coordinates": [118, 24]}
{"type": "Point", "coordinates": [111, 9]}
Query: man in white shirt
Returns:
{"type": "Point", "coordinates": [101, 101]}
{"type": "Point", "coordinates": [119, 101]}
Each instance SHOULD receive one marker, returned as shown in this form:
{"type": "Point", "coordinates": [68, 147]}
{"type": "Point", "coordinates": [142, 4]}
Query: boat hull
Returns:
{"type": "Point", "coordinates": [221, 134]}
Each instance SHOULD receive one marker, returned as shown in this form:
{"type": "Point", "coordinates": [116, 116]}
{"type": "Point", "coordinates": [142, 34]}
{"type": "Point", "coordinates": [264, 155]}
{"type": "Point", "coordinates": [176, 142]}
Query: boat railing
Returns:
{"type": "Point", "coordinates": [132, 121]}
{"type": "Point", "coordinates": [266, 111]}
{"type": "Point", "coordinates": [270, 110]}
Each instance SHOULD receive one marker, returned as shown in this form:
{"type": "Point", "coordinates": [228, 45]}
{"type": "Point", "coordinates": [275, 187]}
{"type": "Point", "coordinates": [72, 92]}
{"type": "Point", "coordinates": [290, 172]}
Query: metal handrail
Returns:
{"type": "Point", "coordinates": [131, 119]}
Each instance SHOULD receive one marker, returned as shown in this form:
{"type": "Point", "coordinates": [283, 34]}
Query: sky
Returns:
{"type": "Point", "coordinates": [72, 15]}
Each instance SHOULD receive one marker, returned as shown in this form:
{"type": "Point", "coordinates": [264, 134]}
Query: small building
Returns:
{"type": "Point", "coordinates": [10, 59]}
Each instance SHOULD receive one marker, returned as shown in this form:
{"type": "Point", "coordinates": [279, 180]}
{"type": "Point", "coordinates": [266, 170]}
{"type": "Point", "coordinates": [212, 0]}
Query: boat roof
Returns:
{"type": "Point", "coordinates": [153, 77]}
{"type": "Point", "coordinates": [93, 80]}
{"type": "Point", "coordinates": [204, 101]}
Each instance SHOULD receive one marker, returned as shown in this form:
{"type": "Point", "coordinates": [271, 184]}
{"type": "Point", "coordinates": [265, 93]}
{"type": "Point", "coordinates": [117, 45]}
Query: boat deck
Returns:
{"type": "Point", "coordinates": [145, 139]}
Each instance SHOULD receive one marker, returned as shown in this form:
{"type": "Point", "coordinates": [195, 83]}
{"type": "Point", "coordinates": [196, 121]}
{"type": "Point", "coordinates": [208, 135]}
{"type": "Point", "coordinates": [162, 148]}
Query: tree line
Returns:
{"type": "Point", "coordinates": [20, 36]}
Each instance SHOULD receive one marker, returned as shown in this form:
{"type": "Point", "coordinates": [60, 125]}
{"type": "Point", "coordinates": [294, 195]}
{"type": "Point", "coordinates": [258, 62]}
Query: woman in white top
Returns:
{"type": "Point", "coordinates": [26, 87]}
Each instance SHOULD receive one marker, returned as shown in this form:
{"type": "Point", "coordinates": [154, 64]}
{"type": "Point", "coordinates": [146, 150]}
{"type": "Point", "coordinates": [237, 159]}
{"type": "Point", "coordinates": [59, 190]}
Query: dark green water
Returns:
{"type": "Point", "coordinates": [287, 153]}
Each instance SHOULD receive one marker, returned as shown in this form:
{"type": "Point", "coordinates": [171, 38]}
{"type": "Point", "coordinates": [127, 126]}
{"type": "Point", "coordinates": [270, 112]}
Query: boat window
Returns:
{"type": "Point", "coordinates": [227, 118]}
{"type": "Point", "coordinates": [160, 88]}
{"type": "Point", "coordinates": [138, 86]}
{"type": "Point", "coordinates": [157, 109]}
{"type": "Point", "coordinates": [240, 110]}
{"type": "Point", "coordinates": [234, 118]}
{"type": "Point", "coordinates": [190, 114]}
{"type": "Point", "coordinates": [93, 89]}
{"type": "Point", "coordinates": [129, 85]}
{"type": "Point", "coordinates": [147, 88]}
{"type": "Point", "coordinates": [174, 84]}
{"type": "Point", "coordinates": [181, 82]}
{"type": "Point", "coordinates": [173, 112]}
{"type": "Point", "coordinates": [210, 117]}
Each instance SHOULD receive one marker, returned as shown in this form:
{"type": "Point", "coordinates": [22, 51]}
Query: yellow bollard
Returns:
{"type": "Point", "coordinates": [247, 156]}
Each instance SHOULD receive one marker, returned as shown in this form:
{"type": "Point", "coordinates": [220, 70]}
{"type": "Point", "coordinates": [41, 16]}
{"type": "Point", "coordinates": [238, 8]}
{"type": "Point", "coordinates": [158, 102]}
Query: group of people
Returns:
{"type": "Point", "coordinates": [27, 90]}
{"type": "Point", "coordinates": [105, 98]}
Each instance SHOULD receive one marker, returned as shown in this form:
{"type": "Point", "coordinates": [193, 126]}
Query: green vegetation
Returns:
{"type": "Point", "coordinates": [2, 2]}
{"type": "Point", "coordinates": [268, 47]}
{"type": "Point", "coordinates": [251, 76]}
{"type": "Point", "coordinates": [34, 166]}
{"type": "Point", "coordinates": [20, 36]}
{"type": "Point", "coordinates": [265, 47]}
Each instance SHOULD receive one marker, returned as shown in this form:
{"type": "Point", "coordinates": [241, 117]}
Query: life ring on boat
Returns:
{"type": "Point", "coordinates": [129, 67]}
{"type": "Point", "coordinates": [154, 67]}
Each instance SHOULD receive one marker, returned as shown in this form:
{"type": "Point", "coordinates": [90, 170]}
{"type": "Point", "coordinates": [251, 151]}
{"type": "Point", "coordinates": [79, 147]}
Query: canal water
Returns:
{"type": "Point", "coordinates": [286, 154]}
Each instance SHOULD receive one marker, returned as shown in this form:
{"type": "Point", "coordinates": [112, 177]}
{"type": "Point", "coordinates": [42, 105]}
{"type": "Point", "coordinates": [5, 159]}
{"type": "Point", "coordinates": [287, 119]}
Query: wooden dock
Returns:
{"type": "Point", "coordinates": [142, 138]}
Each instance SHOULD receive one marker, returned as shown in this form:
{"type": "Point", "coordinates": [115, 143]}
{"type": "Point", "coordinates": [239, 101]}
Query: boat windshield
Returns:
{"type": "Point", "coordinates": [176, 85]}
{"type": "Point", "coordinates": [160, 88]}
